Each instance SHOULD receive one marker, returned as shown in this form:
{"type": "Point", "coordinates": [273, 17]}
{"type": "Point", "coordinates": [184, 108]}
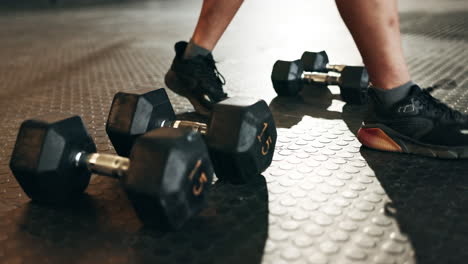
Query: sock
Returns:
{"type": "Point", "coordinates": [192, 50]}
{"type": "Point", "coordinates": [391, 96]}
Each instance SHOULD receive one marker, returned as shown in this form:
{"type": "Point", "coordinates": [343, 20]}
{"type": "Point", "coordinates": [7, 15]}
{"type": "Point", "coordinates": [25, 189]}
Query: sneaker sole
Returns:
{"type": "Point", "coordinates": [382, 138]}
{"type": "Point", "coordinates": [180, 88]}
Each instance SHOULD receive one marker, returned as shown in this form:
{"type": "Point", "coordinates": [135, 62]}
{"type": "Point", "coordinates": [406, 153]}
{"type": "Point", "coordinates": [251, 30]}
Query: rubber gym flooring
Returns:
{"type": "Point", "coordinates": [325, 199]}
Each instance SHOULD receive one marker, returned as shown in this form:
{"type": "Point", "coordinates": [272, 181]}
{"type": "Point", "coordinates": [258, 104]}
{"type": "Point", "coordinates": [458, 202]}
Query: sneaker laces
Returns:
{"type": "Point", "coordinates": [439, 107]}
{"type": "Point", "coordinates": [212, 64]}
{"type": "Point", "coordinates": [213, 80]}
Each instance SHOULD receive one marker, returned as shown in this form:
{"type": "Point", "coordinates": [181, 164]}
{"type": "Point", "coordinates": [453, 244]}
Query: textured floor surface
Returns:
{"type": "Point", "coordinates": [325, 199]}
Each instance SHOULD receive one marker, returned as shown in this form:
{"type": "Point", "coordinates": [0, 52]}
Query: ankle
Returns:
{"type": "Point", "coordinates": [393, 95]}
{"type": "Point", "coordinates": [192, 50]}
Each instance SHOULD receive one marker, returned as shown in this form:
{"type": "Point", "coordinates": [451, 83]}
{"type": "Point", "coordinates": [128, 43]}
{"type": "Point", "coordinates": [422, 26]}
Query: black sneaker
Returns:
{"type": "Point", "coordinates": [197, 79]}
{"type": "Point", "coordinates": [418, 124]}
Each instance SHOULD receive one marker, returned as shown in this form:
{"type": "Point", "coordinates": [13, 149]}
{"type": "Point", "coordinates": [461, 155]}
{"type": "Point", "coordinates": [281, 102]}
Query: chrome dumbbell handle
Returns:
{"type": "Point", "coordinates": [105, 164]}
{"type": "Point", "coordinates": [336, 67]}
{"type": "Point", "coordinates": [195, 126]}
{"type": "Point", "coordinates": [318, 77]}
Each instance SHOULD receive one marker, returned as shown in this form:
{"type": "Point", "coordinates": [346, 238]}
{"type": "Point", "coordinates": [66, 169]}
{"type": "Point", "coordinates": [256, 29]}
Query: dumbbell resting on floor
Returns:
{"type": "Point", "coordinates": [240, 135]}
{"type": "Point", "coordinates": [288, 78]}
{"type": "Point", "coordinates": [318, 62]}
{"type": "Point", "coordinates": [167, 173]}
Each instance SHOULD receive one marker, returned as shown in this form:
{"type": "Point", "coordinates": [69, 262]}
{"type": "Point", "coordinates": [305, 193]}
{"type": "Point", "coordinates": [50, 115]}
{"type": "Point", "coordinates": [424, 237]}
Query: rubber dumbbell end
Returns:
{"type": "Point", "coordinates": [286, 77]}
{"type": "Point", "coordinates": [169, 176]}
{"type": "Point", "coordinates": [315, 61]}
{"type": "Point", "coordinates": [43, 158]}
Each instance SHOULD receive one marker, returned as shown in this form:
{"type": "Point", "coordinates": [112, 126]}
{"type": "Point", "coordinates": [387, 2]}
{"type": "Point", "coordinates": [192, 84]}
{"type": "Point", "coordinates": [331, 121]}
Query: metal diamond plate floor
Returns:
{"type": "Point", "coordinates": [325, 199]}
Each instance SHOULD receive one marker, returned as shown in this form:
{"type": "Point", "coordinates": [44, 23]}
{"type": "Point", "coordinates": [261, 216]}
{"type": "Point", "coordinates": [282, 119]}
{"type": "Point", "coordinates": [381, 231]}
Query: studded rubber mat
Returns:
{"type": "Point", "coordinates": [325, 198]}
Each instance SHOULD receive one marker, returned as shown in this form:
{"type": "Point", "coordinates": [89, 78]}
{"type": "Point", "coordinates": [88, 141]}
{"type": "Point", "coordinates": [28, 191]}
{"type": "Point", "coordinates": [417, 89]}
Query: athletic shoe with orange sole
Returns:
{"type": "Point", "coordinates": [418, 124]}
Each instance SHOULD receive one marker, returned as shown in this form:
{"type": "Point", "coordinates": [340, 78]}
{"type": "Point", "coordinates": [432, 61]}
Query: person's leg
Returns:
{"type": "Point", "coordinates": [402, 117]}
{"type": "Point", "coordinates": [214, 18]}
{"type": "Point", "coordinates": [375, 27]}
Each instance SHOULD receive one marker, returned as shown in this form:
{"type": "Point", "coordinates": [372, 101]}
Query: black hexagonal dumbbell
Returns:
{"type": "Point", "coordinates": [319, 62]}
{"type": "Point", "coordinates": [352, 76]}
{"type": "Point", "coordinates": [166, 175]}
{"type": "Point", "coordinates": [288, 78]}
{"type": "Point", "coordinates": [240, 135]}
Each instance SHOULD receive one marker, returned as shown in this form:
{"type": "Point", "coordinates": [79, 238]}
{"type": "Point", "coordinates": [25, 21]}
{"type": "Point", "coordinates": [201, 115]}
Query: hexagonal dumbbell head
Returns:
{"type": "Point", "coordinates": [133, 114]}
{"type": "Point", "coordinates": [354, 84]}
{"type": "Point", "coordinates": [286, 77]}
{"type": "Point", "coordinates": [169, 176]}
{"type": "Point", "coordinates": [42, 159]}
{"type": "Point", "coordinates": [241, 138]}
{"type": "Point", "coordinates": [315, 61]}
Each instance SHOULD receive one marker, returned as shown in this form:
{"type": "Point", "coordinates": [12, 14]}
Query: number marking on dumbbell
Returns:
{"type": "Point", "coordinates": [198, 188]}
{"type": "Point", "coordinates": [267, 142]}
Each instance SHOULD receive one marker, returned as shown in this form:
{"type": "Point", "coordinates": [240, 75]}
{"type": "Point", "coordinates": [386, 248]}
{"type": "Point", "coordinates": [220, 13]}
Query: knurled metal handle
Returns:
{"type": "Point", "coordinates": [105, 164]}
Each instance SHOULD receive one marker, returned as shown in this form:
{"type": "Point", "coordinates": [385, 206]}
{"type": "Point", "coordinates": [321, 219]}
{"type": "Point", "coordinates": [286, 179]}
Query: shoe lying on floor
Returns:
{"type": "Point", "coordinates": [197, 79]}
{"type": "Point", "coordinates": [418, 124]}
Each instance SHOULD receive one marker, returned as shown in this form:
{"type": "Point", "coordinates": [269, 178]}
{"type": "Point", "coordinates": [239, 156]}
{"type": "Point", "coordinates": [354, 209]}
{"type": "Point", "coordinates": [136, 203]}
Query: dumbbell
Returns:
{"type": "Point", "coordinates": [166, 175]}
{"type": "Point", "coordinates": [240, 135]}
{"type": "Point", "coordinates": [355, 76]}
{"type": "Point", "coordinates": [319, 62]}
{"type": "Point", "coordinates": [288, 78]}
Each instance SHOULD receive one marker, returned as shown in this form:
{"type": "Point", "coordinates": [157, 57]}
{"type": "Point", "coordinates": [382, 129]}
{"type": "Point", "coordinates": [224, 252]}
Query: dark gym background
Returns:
{"type": "Point", "coordinates": [325, 199]}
